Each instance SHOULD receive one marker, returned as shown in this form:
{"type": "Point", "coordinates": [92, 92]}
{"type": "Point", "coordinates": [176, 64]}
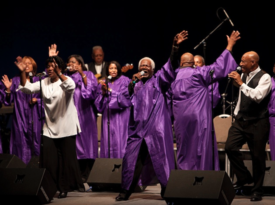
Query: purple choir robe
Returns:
{"type": "Point", "coordinates": [119, 106]}
{"type": "Point", "coordinates": [21, 143]}
{"type": "Point", "coordinates": [2, 97]}
{"type": "Point", "coordinates": [150, 121]}
{"type": "Point", "coordinates": [216, 94]}
{"type": "Point", "coordinates": [271, 109]}
{"type": "Point", "coordinates": [86, 140]}
{"type": "Point", "coordinates": [192, 113]}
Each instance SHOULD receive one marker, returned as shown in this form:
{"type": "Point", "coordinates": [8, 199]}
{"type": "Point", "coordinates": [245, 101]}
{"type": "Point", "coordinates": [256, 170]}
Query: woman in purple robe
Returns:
{"type": "Point", "coordinates": [84, 95]}
{"type": "Point", "coordinates": [271, 109]}
{"type": "Point", "coordinates": [2, 97]}
{"type": "Point", "coordinates": [115, 104]}
{"type": "Point", "coordinates": [191, 103]}
{"type": "Point", "coordinates": [26, 121]}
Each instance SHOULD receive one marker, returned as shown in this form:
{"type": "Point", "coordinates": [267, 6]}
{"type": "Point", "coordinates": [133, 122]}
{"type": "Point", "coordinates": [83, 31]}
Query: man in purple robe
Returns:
{"type": "Point", "coordinates": [191, 108]}
{"type": "Point", "coordinates": [150, 128]}
{"type": "Point", "coordinates": [271, 109]}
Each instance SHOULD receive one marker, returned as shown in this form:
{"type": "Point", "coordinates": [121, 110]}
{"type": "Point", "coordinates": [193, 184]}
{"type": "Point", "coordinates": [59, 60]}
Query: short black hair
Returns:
{"type": "Point", "coordinates": [117, 66]}
{"type": "Point", "coordinates": [58, 60]}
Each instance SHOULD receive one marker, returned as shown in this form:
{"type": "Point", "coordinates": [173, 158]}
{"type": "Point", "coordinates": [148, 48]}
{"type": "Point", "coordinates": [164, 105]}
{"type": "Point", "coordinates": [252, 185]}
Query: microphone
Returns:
{"type": "Point", "coordinates": [228, 18]}
{"type": "Point", "coordinates": [41, 74]}
{"type": "Point", "coordinates": [68, 68]}
{"type": "Point", "coordinates": [238, 70]}
{"type": "Point", "coordinates": [136, 79]}
{"type": "Point", "coordinates": [211, 72]}
{"type": "Point", "coordinates": [31, 75]}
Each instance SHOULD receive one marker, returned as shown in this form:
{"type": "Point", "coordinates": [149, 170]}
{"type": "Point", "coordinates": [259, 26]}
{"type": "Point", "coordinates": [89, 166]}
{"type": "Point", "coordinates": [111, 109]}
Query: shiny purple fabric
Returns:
{"type": "Point", "coordinates": [216, 94]}
{"type": "Point", "coordinates": [2, 97]}
{"type": "Point", "coordinates": [192, 113]}
{"type": "Point", "coordinates": [150, 121]}
{"type": "Point", "coordinates": [119, 106]}
{"type": "Point", "coordinates": [86, 140]}
{"type": "Point", "coordinates": [21, 142]}
{"type": "Point", "coordinates": [271, 109]}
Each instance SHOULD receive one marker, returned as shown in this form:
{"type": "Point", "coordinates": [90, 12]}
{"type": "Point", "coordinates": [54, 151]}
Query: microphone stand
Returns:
{"type": "Point", "coordinates": [212, 104]}
{"type": "Point", "coordinates": [203, 40]}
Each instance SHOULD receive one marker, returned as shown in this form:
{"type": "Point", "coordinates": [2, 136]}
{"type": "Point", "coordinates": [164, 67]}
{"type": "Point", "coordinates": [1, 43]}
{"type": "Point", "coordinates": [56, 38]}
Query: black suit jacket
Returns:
{"type": "Point", "coordinates": [91, 67]}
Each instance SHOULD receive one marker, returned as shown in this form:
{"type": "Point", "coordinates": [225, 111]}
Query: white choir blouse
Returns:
{"type": "Point", "coordinates": [61, 118]}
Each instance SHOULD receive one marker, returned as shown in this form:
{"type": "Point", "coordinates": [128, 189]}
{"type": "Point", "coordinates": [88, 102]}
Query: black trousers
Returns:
{"type": "Point", "coordinates": [59, 158]}
{"type": "Point", "coordinates": [255, 133]}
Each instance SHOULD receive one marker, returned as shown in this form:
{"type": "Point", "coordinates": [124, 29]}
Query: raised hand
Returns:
{"type": "Point", "coordinates": [180, 37]}
{"type": "Point", "coordinates": [52, 50]}
{"type": "Point", "coordinates": [19, 63]}
{"type": "Point", "coordinates": [7, 82]}
{"type": "Point", "coordinates": [231, 41]}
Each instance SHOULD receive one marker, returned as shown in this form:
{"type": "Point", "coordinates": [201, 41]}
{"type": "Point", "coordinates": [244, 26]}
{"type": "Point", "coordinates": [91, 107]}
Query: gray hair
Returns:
{"type": "Point", "coordinates": [150, 59]}
{"type": "Point", "coordinates": [97, 47]}
{"type": "Point", "coordinates": [202, 58]}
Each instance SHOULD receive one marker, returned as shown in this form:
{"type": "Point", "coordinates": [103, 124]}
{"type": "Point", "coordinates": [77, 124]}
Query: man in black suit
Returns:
{"type": "Point", "coordinates": [98, 67]}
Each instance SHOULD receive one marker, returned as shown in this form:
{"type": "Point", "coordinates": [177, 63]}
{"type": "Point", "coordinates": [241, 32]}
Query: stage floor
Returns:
{"type": "Point", "coordinates": [151, 196]}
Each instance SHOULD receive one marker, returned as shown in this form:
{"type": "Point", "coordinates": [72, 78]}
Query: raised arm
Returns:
{"type": "Point", "coordinates": [178, 39]}
{"type": "Point", "coordinates": [22, 67]}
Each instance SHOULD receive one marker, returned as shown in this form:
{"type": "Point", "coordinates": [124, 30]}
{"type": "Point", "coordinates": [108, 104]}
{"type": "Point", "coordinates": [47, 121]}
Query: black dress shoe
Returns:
{"type": "Point", "coordinates": [239, 184]}
{"type": "Point", "coordinates": [62, 195]}
{"type": "Point", "coordinates": [256, 197]}
{"type": "Point", "coordinates": [123, 196]}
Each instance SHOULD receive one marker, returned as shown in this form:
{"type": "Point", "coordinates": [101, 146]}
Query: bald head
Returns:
{"type": "Point", "coordinates": [253, 56]}
{"type": "Point", "coordinates": [187, 60]}
{"type": "Point", "coordinates": [249, 61]}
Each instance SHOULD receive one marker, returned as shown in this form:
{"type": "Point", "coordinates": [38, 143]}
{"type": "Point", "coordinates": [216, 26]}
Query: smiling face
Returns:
{"type": "Point", "coordinates": [29, 65]}
{"type": "Point", "coordinates": [146, 67]}
{"type": "Point", "coordinates": [249, 62]}
{"type": "Point", "coordinates": [198, 61]}
{"type": "Point", "coordinates": [113, 70]}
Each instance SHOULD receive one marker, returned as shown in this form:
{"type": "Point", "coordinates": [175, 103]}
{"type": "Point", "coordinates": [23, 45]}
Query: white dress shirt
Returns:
{"type": "Point", "coordinates": [60, 111]}
{"type": "Point", "coordinates": [257, 94]}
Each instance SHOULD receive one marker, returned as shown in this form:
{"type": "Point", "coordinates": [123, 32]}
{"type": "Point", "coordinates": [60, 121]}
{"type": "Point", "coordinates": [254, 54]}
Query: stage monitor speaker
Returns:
{"type": "Point", "coordinates": [26, 186]}
{"type": "Point", "coordinates": [269, 179]}
{"type": "Point", "coordinates": [199, 187]}
{"type": "Point", "coordinates": [11, 161]}
{"type": "Point", "coordinates": [106, 175]}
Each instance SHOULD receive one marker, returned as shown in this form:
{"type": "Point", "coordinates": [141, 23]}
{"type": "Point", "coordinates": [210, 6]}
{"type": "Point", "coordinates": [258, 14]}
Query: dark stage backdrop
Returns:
{"type": "Point", "coordinates": [130, 30]}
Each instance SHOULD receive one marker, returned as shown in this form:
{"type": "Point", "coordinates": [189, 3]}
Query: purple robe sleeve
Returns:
{"type": "Point", "coordinates": [100, 101]}
{"type": "Point", "coordinates": [224, 64]}
{"type": "Point", "coordinates": [166, 75]}
{"type": "Point", "coordinates": [216, 93]}
{"type": "Point", "coordinates": [89, 91]}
